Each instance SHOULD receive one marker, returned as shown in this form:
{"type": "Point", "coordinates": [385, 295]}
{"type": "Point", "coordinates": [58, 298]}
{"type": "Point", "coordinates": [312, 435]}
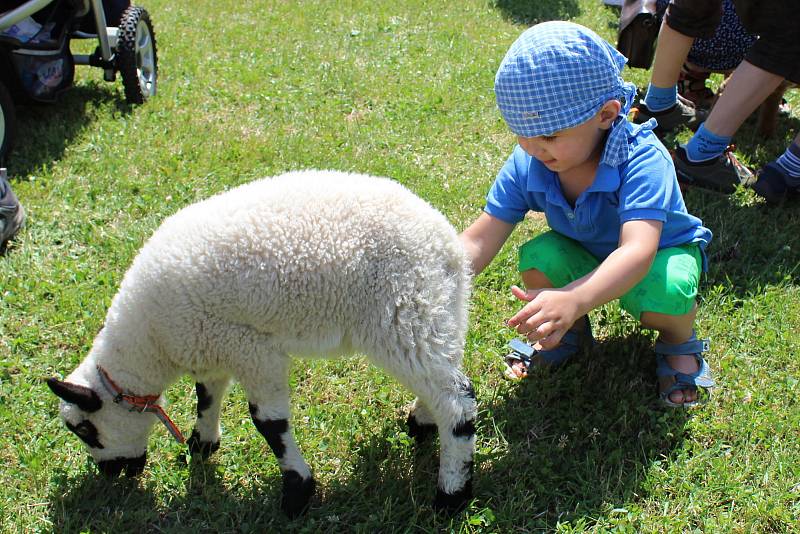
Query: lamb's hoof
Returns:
{"type": "Point", "coordinates": [452, 503]}
{"type": "Point", "coordinates": [203, 448]}
{"type": "Point", "coordinates": [296, 493]}
{"type": "Point", "coordinates": [418, 431]}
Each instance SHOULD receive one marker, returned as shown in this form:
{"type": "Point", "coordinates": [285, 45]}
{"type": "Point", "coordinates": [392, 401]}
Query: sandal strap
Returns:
{"type": "Point", "coordinates": [691, 346]}
{"type": "Point", "coordinates": [700, 378]}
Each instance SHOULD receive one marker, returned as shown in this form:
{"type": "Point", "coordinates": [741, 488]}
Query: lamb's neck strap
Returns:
{"type": "Point", "coordinates": [139, 403]}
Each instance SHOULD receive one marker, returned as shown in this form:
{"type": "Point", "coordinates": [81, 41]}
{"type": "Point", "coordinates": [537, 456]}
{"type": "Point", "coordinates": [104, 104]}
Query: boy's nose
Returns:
{"type": "Point", "coordinates": [530, 146]}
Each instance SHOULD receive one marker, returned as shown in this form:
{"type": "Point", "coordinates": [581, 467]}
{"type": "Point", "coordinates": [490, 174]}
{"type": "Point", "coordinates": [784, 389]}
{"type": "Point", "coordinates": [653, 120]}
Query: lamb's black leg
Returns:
{"type": "Point", "coordinates": [205, 436]}
{"type": "Point", "coordinates": [298, 483]}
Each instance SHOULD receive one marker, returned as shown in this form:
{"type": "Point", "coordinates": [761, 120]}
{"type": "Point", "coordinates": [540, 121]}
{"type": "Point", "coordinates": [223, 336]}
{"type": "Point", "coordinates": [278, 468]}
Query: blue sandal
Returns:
{"type": "Point", "coordinates": [571, 344]}
{"type": "Point", "coordinates": [699, 379]}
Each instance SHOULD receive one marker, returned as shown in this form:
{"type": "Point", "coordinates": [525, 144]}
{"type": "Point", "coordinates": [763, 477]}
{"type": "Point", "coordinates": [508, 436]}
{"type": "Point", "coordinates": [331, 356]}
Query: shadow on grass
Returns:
{"type": "Point", "coordinates": [529, 13]}
{"type": "Point", "coordinates": [44, 131]}
{"type": "Point", "coordinates": [93, 503]}
{"type": "Point", "coordinates": [754, 245]}
{"type": "Point", "coordinates": [581, 438]}
{"type": "Point", "coordinates": [577, 439]}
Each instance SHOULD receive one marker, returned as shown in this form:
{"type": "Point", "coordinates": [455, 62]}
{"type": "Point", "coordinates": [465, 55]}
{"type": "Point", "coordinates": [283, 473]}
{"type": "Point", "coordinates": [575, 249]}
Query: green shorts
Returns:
{"type": "Point", "coordinates": [670, 287]}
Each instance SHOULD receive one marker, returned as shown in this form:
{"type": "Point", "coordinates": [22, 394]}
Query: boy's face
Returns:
{"type": "Point", "coordinates": [573, 147]}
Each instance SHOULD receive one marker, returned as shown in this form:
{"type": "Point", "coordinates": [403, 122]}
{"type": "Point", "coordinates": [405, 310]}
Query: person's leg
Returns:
{"type": "Point", "coordinates": [684, 21]}
{"type": "Point", "coordinates": [745, 91]}
{"type": "Point", "coordinates": [747, 88]}
{"type": "Point", "coordinates": [789, 161]}
{"type": "Point", "coordinates": [552, 260]}
{"type": "Point", "coordinates": [705, 160]}
{"type": "Point", "coordinates": [665, 301]}
{"type": "Point", "coordinates": [671, 51]}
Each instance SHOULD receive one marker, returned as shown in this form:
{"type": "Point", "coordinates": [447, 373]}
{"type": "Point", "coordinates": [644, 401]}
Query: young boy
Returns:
{"type": "Point", "coordinates": [619, 226]}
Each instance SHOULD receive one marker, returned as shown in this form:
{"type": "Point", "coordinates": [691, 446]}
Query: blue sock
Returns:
{"type": "Point", "coordinates": [790, 163]}
{"type": "Point", "coordinates": [660, 98]}
{"type": "Point", "coordinates": [705, 145]}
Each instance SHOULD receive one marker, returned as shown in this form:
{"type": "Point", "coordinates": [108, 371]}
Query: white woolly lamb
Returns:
{"type": "Point", "coordinates": [307, 263]}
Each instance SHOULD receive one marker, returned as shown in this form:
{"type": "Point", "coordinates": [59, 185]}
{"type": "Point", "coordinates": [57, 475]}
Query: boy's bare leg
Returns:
{"type": "Point", "coordinates": [675, 329]}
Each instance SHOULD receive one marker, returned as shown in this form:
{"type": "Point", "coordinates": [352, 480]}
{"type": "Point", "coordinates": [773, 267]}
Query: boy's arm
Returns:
{"type": "Point", "coordinates": [551, 312]}
{"type": "Point", "coordinates": [483, 239]}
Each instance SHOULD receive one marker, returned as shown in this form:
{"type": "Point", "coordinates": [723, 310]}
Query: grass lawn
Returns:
{"type": "Point", "coordinates": [401, 89]}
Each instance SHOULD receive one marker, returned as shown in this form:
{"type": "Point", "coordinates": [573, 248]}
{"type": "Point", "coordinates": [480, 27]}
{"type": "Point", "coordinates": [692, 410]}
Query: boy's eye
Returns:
{"type": "Point", "coordinates": [548, 138]}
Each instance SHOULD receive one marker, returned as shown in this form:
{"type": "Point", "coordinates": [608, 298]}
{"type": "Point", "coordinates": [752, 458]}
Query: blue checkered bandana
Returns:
{"type": "Point", "coordinates": [558, 75]}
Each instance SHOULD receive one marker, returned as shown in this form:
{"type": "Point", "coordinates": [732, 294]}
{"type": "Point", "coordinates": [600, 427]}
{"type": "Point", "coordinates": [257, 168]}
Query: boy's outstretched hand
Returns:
{"type": "Point", "coordinates": [547, 316]}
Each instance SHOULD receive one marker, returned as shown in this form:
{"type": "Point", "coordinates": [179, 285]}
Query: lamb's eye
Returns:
{"type": "Point", "coordinates": [87, 432]}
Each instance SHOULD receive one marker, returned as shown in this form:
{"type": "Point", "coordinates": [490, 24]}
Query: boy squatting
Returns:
{"type": "Point", "coordinates": [619, 225]}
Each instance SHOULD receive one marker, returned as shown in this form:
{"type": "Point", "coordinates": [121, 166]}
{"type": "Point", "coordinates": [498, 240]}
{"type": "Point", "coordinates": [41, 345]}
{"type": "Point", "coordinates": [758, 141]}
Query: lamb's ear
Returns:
{"type": "Point", "coordinates": [85, 398]}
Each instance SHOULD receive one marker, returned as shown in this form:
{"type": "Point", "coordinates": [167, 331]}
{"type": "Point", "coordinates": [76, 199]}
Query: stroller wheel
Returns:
{"type": "Point", "coordinates": [8, 122]}
{"type": "Point", "coordinates": [137, 59]}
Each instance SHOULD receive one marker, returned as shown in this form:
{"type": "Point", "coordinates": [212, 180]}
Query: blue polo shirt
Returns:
{"type": "Point", "coordinates": [642, 188]}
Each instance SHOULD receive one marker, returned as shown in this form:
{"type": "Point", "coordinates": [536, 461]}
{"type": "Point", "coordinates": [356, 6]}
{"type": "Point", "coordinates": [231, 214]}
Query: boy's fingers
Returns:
{"type": "Point", "coordinates": [522, 316]}
{"type": "Point", "coordinates": [526, 295]}
{"type": "Point", "coordinates": [553, 340]}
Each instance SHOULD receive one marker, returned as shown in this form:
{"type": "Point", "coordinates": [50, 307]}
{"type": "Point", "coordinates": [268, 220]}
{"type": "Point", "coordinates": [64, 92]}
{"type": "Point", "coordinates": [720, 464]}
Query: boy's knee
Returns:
{"type": "Point", "coordinates": [535, 279]}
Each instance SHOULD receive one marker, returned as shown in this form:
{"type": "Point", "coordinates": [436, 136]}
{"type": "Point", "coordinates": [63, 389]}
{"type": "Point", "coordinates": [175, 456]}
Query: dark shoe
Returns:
{"type": "Point", "coordinates": [771, 184]}
{"type": "Point", "coordinates": [722, 174]}
{"type": "Point", "coordinates": [683, 113]}
{"type": "Point", "coordinates": [12, 215]}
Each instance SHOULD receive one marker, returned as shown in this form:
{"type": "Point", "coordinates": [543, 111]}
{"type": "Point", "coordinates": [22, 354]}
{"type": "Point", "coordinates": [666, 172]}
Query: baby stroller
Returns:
{"type": "Point", "coordinates": [36, 63]}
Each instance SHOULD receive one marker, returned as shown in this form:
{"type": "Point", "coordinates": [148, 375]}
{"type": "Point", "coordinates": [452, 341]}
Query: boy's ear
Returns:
{"type": "Point", "coordinates": [609, 112]}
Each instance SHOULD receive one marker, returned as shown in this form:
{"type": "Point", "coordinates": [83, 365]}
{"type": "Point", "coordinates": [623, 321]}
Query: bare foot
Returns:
{"type": "Point", "coordinates": [687, 364]}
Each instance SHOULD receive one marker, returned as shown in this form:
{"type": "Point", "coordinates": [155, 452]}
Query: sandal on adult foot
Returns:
{"type": "Point", "coordinates": [691, 381]}
{"type": "Point", "coordinates": [521, 352]}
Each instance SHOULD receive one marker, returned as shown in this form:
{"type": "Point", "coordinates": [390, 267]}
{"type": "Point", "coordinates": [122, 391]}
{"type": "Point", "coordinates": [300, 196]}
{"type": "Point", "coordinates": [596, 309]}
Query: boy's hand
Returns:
{"type": "Point", "coordinates": [547, 316]}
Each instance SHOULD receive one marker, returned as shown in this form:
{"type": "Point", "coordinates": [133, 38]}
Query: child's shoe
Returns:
{"type": "Point", "coordinates": [571, 343]}
{"type": "Point", "coordinates": [683, 381]}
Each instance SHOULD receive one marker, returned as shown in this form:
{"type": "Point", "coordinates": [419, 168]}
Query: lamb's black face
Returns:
{"type": "Point", "coordinates": [87, 432]}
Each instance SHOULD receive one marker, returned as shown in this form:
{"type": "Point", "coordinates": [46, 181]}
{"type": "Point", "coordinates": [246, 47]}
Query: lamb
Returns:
{"type": "Point", "coordinates": [309, 263]}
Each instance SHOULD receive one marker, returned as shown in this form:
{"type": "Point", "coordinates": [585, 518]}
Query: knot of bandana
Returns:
{"type": "Point", "coordinates": [558, 75]}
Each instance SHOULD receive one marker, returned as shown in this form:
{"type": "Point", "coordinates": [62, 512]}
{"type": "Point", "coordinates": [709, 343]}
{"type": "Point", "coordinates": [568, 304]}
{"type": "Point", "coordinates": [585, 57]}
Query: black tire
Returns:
{"type": "Point", "coordinates": [8, 123]}
{"type": "Point", "coordinates": [137, 56]}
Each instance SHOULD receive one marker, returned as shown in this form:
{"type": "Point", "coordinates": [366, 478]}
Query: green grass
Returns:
{"type": "Point", "coordinates": [402, 89]}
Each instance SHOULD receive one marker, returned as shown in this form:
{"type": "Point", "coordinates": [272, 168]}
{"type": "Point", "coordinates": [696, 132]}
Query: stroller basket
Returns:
{"type": "Point", "coordinates": [44, 74]}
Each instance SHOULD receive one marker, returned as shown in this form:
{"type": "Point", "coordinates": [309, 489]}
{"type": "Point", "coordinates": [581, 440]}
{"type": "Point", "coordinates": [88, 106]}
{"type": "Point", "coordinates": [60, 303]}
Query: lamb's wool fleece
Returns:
{"type": "Point", "coordinates": [310, 263]}
{"type": "Point", "coordinates": [312, 275]}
